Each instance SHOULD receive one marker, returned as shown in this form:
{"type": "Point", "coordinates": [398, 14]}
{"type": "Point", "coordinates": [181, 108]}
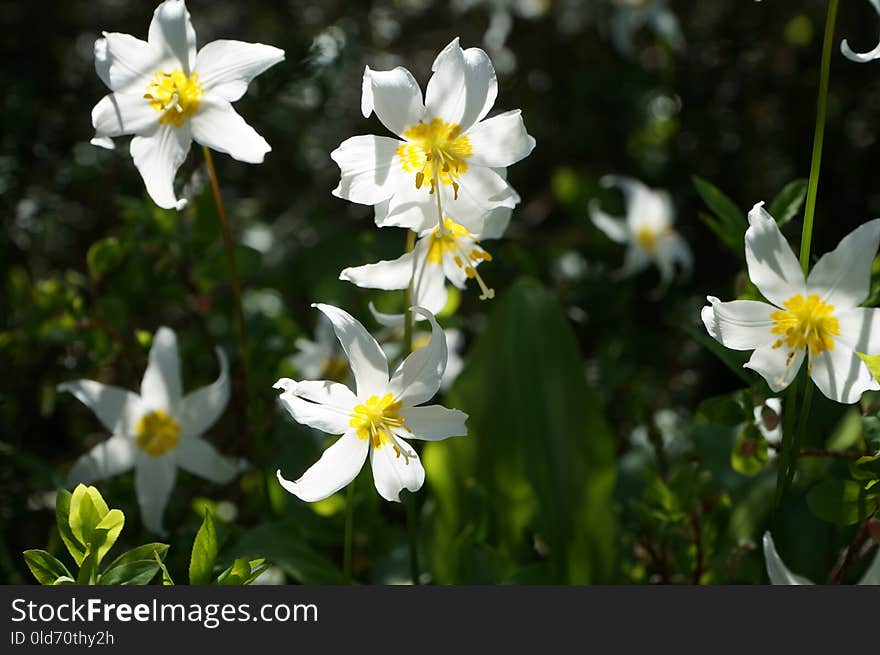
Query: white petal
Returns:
{"type": "Point", "coordinates": [673, 252]}
{"type": "Point", "coordinates": [369, 167]}
{"type": "Point", "coordinates": [125, 63]}
{"type": "Point", "coordinates": [434, 422]}
{"type": "Point", "coordinates": [365, 357]}
{"type": "Point", "coordinates": [217, 125]}
{"type": "Point", "coordinates": [320, 404]}
{"type": "Point", "coordinates": [777, 571]}
{"type": "Point", "coordinates": [172, 34]}
{"type": "Point", "coordinates": [774, 365]}
{"type": "Point", "coordinates": [480, 191]}
{"type": "Point", "coordinates": [772, 265]}
{"type": "Point", "coordinates": [463, 87]}
{"type": "Point", "coordinates": [418, 378]}
{"type": "Point", "coordinates": [118, 409]}
{"type": "Point", "coordinates": [157, 157]}
{"type": "Point", "coordinates": [841, 375]}
{"type": "Point", "coordinates": [338, 466]}
{"type": "Point", "coordinates": [154, 480]}
{"type": "Point", "coordinates": [200, 409]}
{"type": "Point", "coordinates": [635, 260]}
{"type": "Point", "coordinates": [103, 142]}
{"type": "Point", "coordinates": [495, 223]}
{"type": "Point", "coordinates": [111, 457]}
{"type": "Point", "coordinates": [849, 53]}
{"type": "Point", "coordinates": [645, 207]}
{"type": "Point", "coordinates": [161, 387]}
{"type": "Point", "coordinates": [388, 274]}
{"type": "Point", "coordinates": [872, 574]}
{"type": "Point", "coordinates": [226, 67]}
{"type": "Point", "coordinates": [393, 472]}
{"type": "Point", "coordinates": [123, 113]}
{"type": "Point", "coordinates": [842, 277]}
{"type": "Point", "coordinates": [200, 458]}
{"type": "Point", "coordinates": [331, 394]}
{"type": "Point", "coordinates": [739, 324]}
{"type": "Point", "coordinates": [429, 286]}
{"type": "Point", "coordinates": [860, 329]}
{"type": "Point", "coordinates": [387, 320]}
{"type": "Point", "coordinates": [396, 98]}
{"type": "Point", "coordinates": [614, 228]}
{"type": "Point", "coordinates": [500, 141]}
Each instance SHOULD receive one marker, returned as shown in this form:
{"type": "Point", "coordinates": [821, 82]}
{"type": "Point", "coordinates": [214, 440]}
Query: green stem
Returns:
{"type": "Point", "coordinates": [349, 531]}
{"type": "Point", "coordinates": [407, 302]}
{"type": "Point", "coordinates": [818, 136]}
{"type": "Point", "coordinates": [413, 530]}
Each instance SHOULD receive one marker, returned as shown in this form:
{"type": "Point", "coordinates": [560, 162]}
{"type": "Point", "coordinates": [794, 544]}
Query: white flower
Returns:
{"type": "Point", "coordinates": [647, 229]}
{"type": "Point", "coordinates": [377, 418]}
{"type": "Point", "coordinates": [819, 313]}
{"type": "Point", "coordinates": [768, 420]}
{"type": "Point", "coordinates": [454, 346]}
{"type": "Point", "coordinates": [630, 16]}
{"type": "Point", "coordinates": [167, 96]}
{"type": "Point", "coordinates": [155, 431]}
{"type": "Point", "coordinates": [779, 574]}
{"type": "Point", "coordinates": [321, 358]}
{"type": "Point", "coordinates": [443, 143]}
{"type": "Point", "coordinates": [862, 57]}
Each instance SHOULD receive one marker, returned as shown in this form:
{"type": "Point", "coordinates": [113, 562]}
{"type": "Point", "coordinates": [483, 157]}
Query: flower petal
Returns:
{"type": "Point", "coordinates": [338, 466]}
{"type": "Point", "coordinates": [862, 57]}
{"type": "Point", "coordinates": [775, 365]}
{"type": "Point", "coordinates": [125, 63]}
{"type": "Point", "coordinates": [387, 274]}
{"type": "Point", "coordinates": [157, 157]}
{"type": "Point", "coordinates": [673, 251]}
{"type": "Point", "coordinates": [842, 277]}
{"type": "Point", "coordinates": [872, 574]}
{"type": "Point", "coordinates": [226, 67]}
{"type": "Point", "coordinates": [201, 408]}
{"type": "Point", "coordinates": [463, 87]}
{"type": "Point", "coordinates": [613, 228]}
{"type": "Point", "coordinates": [772, 265]}
{"type": "Point", "coordinates": [841, 375]}
{"type": "Point", "coordinates": [111, 457]}
{"type": "Point", "coordinates": [172, 34]}
{"type": "Point", "coordinates": [429, 286]}
{"type": "Point", "coordinates": [500, 141]}
{"type": "Point", "coordinates": [777, 571]}
{"type": "Point", "coordinates": [161, 387]}
{"type": "Point", "coordinates": [370, 169]}
{"type": "Point", "coordinates": [739, 324]}
{"type": "Point", "coordinates": [154, 480]}
{"type": "Point", "coordinates": [320, 404]}
{"type": "Point", "coordinates": [434, 422]}
{"type": "Point", "coordinates": [365, 357]}
{"type": "Point", "coordinates": [860, 329]}
{"type": "Point", "coordinates": [394, 472]}
{"type": "Point", "coordinates": [495, 223]}
{"type": "Point", "coordinates": [395, 96]}
{"type": "Point", "coordinates": [201, 458]}
{"type": "Point", "coordinates": [418, 378]}
{"type": "Point", "coordinates": [218, 126]}
{"type": "Point", "coordinates": [635, 260]}
{"type": "Point", "coordinates": [123, 113]}
{"type": "Point", "coordinates": [118, 409]}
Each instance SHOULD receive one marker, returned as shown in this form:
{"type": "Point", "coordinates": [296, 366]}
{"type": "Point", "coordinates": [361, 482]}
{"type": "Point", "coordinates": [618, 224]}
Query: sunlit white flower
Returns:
{"type": "Point", "coordinates": [420, 339]}
{"type": "Point", "coordinates": [819, 314]}
{"type": "Point", "coordinates": [167, 95]}
{"type": "Point", "coordinates": [779, 573]}
{"type": "Point", "coordinates": [376, 418]}
{"type": "Point", "coordinates": [767, 417]}
{"type": "Point", "coordinates": [321, 358]}
{"type": "Point", "coordinates": [156, 431]}
{"type": "Point", "coordinates": [445, 151]}
{"type": "Point", "coordinates": [862, 57]}
{"type": "Point", "coordinates": [631, 16]}
{"type": "Point", "coordinates": [647, 229]}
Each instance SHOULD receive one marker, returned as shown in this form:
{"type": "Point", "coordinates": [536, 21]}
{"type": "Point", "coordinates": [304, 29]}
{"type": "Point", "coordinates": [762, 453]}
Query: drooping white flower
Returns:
{"type": "Point", "coordinates": [819, 314]}
{"type": "Point", "coordinates": [444, 151]}
{"type": "Point", "coordinates": [646, 230]}
{"type": "Point", "coordinates": [156, 431]}
{"type": "Point", "coordinates": [631, 16]}
{"type": "Point", "coordinates": [862, 57]}
{"type": "Point", "coordinates": [779, 573]}
{"type": "Point", "coordinates": [167, 95]}
{"type": "Point", "coordinates": [768, 420]}
{"type": "Point", "coordinates": [376, 418]}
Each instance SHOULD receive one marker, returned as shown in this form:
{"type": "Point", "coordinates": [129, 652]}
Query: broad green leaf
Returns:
{"type": "Point", "coordinates": [104, 255]}
{"type": "Point", "coordinates": [873, 364]}
{"type": "Point", "coordinates": [62, 515]}
{"type": "Point", "coordinates": [204, 553]}
{"type": "Point", "coordinates": [166, 577]}
{"type": "Point", "coordinates": [45, 567]}
{"type": "Point", "coordinates": [732, 217]}
{"type": "Point", "coordinates": [87, 508]}
{"type": "Point", "coordinates": [242, 572]}
{"type": "Point", "coordinates": [843, 502]}
{"type": "Point", "coordinates": [786, 205]}
{"type": "Point", "coordinates": [88, 570]}
{"type": "Point", "coordinates": [130, 573]}
{"type": "Point", "coordinates": [64, 580]}
{"type": "Point", "coordinates": [866, 468]}
{"type": "Point", "coordinates": [140, 553]}
{"type": "Point", "coordinates": [111, 525]}
{"type": "Point", "coordinates": [724, 410]}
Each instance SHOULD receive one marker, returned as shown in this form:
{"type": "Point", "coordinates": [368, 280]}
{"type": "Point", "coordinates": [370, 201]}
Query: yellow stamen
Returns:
{"type": "Point", "coordinates": [157, 433]}
{"type": "Point", "coordinates": [435, 151]}
{"type": "Point", "coordinates": [376, 418]}
{"type": "Point", "coordinates": [174, 95]}
{"type": "Point", "coordinates": [805, 323]}
{"type": "Point", "coordinates": [452, 238]}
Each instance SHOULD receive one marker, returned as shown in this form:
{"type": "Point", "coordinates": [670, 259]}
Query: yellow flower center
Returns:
{"type": "Point", "coordinates": [435, 151]}
{"type": "Point", "coordinates": [805, 322]}
{"type": "Point", "coordinates": [375, 419]}
{"type": "Point", "coordinates": [175, 96]}
{"type": "Point", "coordinates": [466, 251]}
{"type": "Point", "coordinates": [647, 239]}
{"type": "Point", "coordinates": [157, 433]}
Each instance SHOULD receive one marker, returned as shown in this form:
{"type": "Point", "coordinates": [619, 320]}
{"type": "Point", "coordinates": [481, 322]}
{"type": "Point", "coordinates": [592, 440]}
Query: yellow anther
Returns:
{"type": "Point", "coordinates": [805, 323]}
{"type": "Point", "coordinates": [376, 419]}
{"type": "Point", "coordinates": [436, 144]}
{"type": "Point", "coordinates": [157, 433]}
{"type": "Point", "coordinates": [175, 96]}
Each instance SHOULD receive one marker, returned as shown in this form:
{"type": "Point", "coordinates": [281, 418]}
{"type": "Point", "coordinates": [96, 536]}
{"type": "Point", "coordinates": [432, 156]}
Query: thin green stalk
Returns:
{"type": "Point", "coordinates": [411, 514]}
{"type": "Point", "coordinates": [349, 531]}
{"type": "Point", "coordinates": [407, 301]}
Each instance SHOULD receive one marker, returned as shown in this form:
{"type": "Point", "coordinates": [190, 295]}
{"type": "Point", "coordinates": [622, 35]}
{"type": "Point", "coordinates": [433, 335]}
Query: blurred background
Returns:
{"type": "Point", "coordinates": [593, 456]}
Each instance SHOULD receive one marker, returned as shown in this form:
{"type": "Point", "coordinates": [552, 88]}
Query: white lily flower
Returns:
{"type": "Point", "coordinates": [780, 574]}
{"type": "Point", "coordinates": [862, 57]}
{"type": "Point", "coordinates": [630, 16]}
{"type": "Point", "coordinates": [820, 313]}
{"type": "Point", "coordinates": [768, 420]}
{"type": "Point", "coordinates": [321, 358]}
{"type": "Point", "coordinates": [647, 229]}
{"type": "Point", "coordinates": [445, 152]}
{"type": "Point", "coordinates": [377, 418]}
{"type": "Point", "coordinates": [156, 431]}
{"type": "Point", "coordinates": [167, 96]}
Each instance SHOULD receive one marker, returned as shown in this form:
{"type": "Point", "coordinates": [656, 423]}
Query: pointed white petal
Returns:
{"type": "Point", "coordinates": [860, 329]}
{"type": "Point", "coordinates": [387, 320]}
{"type": "Point", "coordinates": [201, 458]}
{"type": "Point", "coordinates": [393, 472]}
{"type": "Point", "coordinates": [338, 466]}
{"type": "Point", "coordinates": [111, 457]}
{"type": "Point", "coordinates": [200, 409]}
{"type": "Point", "coordinates": [172, 34]}
{"type": "Point", "coordinates": [841, 375]}
{"type": "Point", "coordinates": [500, 141]}
{"type": "Point", "coordinates": [772, 265]}
{"type": "Point", "coordinates": [103, 142]}
{"type": "Point", "coordinates": [154, 480]}
{"type": "Point", "coordinates": [872, 574]}
{"type": "Point", "coordinates": [614, 228]}
{"type": "Point", "coordinates": [775, 365]}
{"type": "Point", "coordinates": [125, 63]}
{"type": "Point", "coordinates": [365, 357]}
{"type": "Point", "coordinates": [673, 252]}
{"type": "Point", "coordinates": [863, 57]}
{"type": "Point", "coordinates": [645, 207]}
{"type": "Point", "coordinates": [635, 260]}
{"type": "Point", "coordinates": [226, 67]}
{"type": "Point", "coordinates": [332, 394]}
{"type": "Point", "coordinates": [395, 97]}
{"type": "Point", "coordinates": [320, 404]}
{"type": "Point", "coordinates": [369, 167]}
{"type": "Point", "coordinates": [777, 571]}
{"type": "Point", "coordinates": [739, 324]}
{"type": "Point", "coordinates": [463, 87]}
{"type": "Point", "coordinates": [157, 157]}
{"type": "Point", "coordinates": [117, 114]}
{"type": "Point", "coordinates": [161, 387]}
{"type": "Point", "coordinates": [495, 223]}
{"type": "Point", "coordinates": [217, 125]}
{"type": "Point", "coordinates": [429, 286]}
{"type": "Point", "coordinates": [434, 422]}
{"type": "Point", "coordinates": [418, 378]}
{"type": "Point", "coordinates": [118, 409]}
{"type": "Point", "coordinates": [842, 277]}
{"type": "Point", "coordinates": [388, 274]}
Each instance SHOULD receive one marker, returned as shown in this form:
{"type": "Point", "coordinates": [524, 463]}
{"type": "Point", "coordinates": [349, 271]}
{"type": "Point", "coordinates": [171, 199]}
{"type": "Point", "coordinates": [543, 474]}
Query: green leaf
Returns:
{"type": "Point", "coordinates": [88, 570]}
{"type": "Point", "coordinates": [109, 527]}
{"type": "Point", "coordinates": [866, 468]}
{"type": "Point", "coordinates": [749, 453]}
{"type": "Point", "coordinates": [872, 362]}
{"type": "Point", "coordinates": [87, 508]}
{"type": "Point", "coordinates": [732, 217]}
{"type": "Point", "coordinates": [727, 410]}
{"type": "Point", "coordinates": [45, 567]}
{"type": "Point", "coordinates": [204, 553]}
{"type": "Point", "coordinates": [242, 572]}
{"type": "Point", "coordinates": [140, 553]}
{"type": "Point", "coordinates": [166, 577]}
{"type": "Point", "coordinates": [843, 502]}
{"type": "Point", "coordinates": [130, 573]}
{"type": "Point", "coordinates": [786, 205]}
{"type": "Point", "coordinates": [104, 255]}
{"type": "Point", "coordinates": [727, 236]}
{"type": "Point", "coordinates": [871, 428]}
{"type": "Point", "coordinates": [62, 516]}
